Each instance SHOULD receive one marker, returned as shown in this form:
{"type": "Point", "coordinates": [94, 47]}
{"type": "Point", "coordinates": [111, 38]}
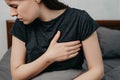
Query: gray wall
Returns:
{"type": "Point", "coordinates": [98, 9]}
{"type": "Point", "coordinates": [4, 15]}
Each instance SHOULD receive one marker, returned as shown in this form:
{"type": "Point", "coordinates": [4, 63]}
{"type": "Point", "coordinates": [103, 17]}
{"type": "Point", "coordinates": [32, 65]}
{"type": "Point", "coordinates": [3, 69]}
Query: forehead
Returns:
{"type": "Point", "coordinates": [14, 1]}
{"type": "Point", "coordinates": [8, 1]}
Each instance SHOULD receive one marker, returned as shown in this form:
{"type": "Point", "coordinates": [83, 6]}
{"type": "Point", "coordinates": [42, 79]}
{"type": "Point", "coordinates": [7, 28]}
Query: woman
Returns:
{"type": "Point", "coordinates": [47, 36]}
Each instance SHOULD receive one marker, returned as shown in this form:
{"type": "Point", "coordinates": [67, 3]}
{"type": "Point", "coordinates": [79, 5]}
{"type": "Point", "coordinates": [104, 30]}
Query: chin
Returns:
{"type": "Point", "coordinates": [26, 22]}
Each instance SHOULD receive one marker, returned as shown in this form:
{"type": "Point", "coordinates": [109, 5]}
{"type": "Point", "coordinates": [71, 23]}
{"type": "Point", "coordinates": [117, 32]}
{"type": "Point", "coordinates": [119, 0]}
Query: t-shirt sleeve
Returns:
{"type": "Point", "coordinates": [18, 30]}
{"type": "Point", "coordinates": [87, 26]}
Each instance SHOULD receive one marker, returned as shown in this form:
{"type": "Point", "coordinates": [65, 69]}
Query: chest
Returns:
{"type": "Point", "coordinates": [39, 37]}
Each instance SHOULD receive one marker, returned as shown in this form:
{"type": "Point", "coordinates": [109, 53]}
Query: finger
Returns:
{"type": "Point", "coordinates": [56, 37]}
{"type": "Point", "coordinates": [73, 55]}
{"type": "Point", "coordinates": [74, 47]}
{"type": "Point", "coordinates": [71, 43]}
{"type": "Point", "coordinates": [74, 51]}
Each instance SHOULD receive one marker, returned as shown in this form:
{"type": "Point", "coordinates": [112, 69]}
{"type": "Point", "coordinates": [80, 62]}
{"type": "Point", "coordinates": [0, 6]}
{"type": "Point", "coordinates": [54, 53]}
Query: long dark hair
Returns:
{"type": "Point", "coordinates": [54, 4]}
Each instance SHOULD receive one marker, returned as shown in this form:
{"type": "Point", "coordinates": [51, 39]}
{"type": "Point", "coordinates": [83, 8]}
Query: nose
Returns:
{"type": "Point", "coordinates": [13, 12]}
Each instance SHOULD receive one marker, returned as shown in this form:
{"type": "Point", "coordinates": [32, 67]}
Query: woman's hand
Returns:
{"type": "Point", "coordinates": [62, 51]}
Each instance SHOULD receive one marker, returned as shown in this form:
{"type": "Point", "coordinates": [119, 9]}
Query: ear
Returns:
{"type": "Point", "coordinates": [38, 1]}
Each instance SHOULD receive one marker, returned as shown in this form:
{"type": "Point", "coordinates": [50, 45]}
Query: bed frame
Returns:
{"type": "Point", "coordinates": [113, 24]}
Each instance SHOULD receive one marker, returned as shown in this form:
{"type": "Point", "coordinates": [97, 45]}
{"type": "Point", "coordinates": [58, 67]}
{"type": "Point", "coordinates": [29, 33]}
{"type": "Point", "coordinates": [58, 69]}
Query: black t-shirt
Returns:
{"type": "Point", "coordinates": [74, 24]}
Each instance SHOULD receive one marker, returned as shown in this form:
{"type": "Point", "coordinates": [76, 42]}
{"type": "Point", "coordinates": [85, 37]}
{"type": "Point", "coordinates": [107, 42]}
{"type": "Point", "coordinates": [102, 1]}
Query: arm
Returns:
{"type": "Point", "coordinates": [94, 59]}
{"type": "Point", "coordinates": [55, 52]}
{"type": "Point", "coordinates": [20, 70]}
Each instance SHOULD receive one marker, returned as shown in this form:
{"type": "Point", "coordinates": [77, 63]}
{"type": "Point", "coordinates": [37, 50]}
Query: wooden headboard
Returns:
{"type": "Point", "coordinates": [113, 24]}
{"type": "Point", "coordinates": [9, 24]}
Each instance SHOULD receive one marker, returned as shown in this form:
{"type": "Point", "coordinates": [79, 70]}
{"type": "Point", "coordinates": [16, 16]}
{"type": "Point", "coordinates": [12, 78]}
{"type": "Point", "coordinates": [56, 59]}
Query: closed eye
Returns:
{"type": "Point", "coordinates": [13, 5]}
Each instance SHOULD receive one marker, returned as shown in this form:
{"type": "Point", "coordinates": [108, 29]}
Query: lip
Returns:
{"type": "Point", "coordinates": [20, 19]}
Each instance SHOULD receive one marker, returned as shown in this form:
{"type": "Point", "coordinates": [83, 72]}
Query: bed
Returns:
{"type": "Point", "coordinates": [108, 35]}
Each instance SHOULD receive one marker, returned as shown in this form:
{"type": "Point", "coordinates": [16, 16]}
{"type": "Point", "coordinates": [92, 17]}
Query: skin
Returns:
{"type": "Point", "coordinates": [27, 11]}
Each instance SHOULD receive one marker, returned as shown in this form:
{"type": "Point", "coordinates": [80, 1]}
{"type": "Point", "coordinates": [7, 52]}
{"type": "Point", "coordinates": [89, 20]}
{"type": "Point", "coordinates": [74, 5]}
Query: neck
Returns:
{"type": "Point", "coordinates": [47, 14]}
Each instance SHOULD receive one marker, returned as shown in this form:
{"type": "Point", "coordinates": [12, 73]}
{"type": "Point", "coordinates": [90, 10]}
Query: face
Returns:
{"type": "Point", "coordinates": [25, 10]}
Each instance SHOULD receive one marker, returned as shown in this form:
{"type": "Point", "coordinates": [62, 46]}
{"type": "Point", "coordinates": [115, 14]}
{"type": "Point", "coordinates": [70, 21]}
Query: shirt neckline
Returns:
{"type": "Point", "coordinates": [46, 22]}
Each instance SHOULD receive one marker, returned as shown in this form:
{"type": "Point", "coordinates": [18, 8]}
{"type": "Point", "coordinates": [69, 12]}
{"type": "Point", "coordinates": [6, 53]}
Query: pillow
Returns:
{"type": "Point", "coordinates": [113, 74]}
{"type": "Point", "coordinates": [59, 75]}
{"type": "Point", "coordinates": [5, 66]}
{"type": "Point", "coordinates": [109, 42]}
